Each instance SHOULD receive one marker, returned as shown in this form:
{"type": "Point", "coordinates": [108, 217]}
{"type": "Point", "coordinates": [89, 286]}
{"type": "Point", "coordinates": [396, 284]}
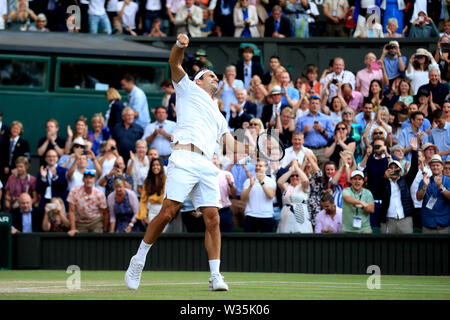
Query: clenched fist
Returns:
{"type": "Point", "coordinates": [183, 40]}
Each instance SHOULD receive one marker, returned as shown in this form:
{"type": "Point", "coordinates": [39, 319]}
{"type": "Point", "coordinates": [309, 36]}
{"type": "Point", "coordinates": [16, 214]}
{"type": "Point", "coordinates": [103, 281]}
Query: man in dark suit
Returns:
{"type": "Point", "coordinates": [238, 114]}
{"type": "Point", "coordinates": [4, 129]}
{"type": "Point", "coordinates": [51, 180]}
{"type": "Point", "coordinates": [247, 106]}
{"type": "Point", "coordinates": [246, 69]}
{"type": "Point", "coordinates": [12, 148]}
{"type": "Point", "coordinates": [24, 218]}
{"type": "Point", "coordinates": [277, 26]}
{"type": "Point", "coordinates": [270, 111]}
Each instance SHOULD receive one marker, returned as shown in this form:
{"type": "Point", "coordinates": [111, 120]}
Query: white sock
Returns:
{"type": "Point", "coordinates": [214, 266]}
{"type": "Point", "coordinates": [143, 250]}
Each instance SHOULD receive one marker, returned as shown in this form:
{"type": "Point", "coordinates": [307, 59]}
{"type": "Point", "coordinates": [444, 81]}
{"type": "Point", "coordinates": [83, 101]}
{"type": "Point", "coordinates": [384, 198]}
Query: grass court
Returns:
{"type": "Point", "coordinates": [158, 285]}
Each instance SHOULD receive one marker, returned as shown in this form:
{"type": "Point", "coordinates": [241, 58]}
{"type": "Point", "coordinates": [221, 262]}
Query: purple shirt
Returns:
{"type": "Point", "coordinates": [324, 221]}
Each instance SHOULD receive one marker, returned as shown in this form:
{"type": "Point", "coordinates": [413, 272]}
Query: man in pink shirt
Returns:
{"type": "Point", "coordinates": [329, 220]}
{"type": "Point", "coordinates": [354, 99]}
{"type": "Point", "coordinates": [374, 70]}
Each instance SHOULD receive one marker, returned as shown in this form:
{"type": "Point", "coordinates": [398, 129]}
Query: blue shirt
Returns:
{"type": "Point", "coordinates": [26, 222]}
{"type": "Point", "coordinates": [161, 143]}
{"type": "Point", "coordinates": [103, 136]}
{"type": "Point", "coordinates": [425, 124]}
{"type": "Point", "coordinates": [314, 138]}
{"type": "Point", "coordinates": [240, 176]}
{"type": "Point", "coordinates": [359, 118]}
{"type": "Point", "coordinates": [228, 95]}
{"type": "Point", "coordinates": [66, 157]}
{"type": "Point", "coordinates": [391, 66]}
{"type": "Point", "coordinates": [404, 138]}
{"type": "Point", "coordinates": [440, 214]}
{"type": "Point", "coordinates": [441, 138]}
{"type": "Point", "coordinates": [137, 100]}
{"type": "Point", "coordinates": [292, 94]}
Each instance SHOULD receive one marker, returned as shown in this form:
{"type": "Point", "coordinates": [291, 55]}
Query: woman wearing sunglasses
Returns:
{"type": "Point", "coordinates": [295, 216]}
{"type": "Point", "coordinates": [342, 141]}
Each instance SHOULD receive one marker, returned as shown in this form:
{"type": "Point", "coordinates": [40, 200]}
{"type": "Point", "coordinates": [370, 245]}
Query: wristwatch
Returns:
{"type": "Point", "coordinates": [262, 183]}
{"type": "Point", "coordinates": [443, 189]}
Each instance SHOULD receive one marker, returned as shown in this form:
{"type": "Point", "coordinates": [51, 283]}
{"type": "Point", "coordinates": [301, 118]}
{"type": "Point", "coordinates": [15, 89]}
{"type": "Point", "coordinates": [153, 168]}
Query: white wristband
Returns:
{"type": "Point", "coordinates": [179, 45]}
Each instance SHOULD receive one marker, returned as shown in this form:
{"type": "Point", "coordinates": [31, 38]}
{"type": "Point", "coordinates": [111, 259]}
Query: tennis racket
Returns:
{"type": "Point", "coordinates": [268, 147]}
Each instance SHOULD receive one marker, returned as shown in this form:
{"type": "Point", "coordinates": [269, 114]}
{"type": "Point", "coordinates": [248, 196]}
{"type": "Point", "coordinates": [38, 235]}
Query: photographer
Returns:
{"type": "Point", "coordinates": [394, 62]}
{"type": "Point", "coordinates": [442, 56]}
{"type": "Point", "coordinates": [397, 208]}
{"type": "Point", "coordinates": [419, 65]}
{"type": "Point", "coordinates": [374, 164]}
{"type": "Point", "coordinates": [55, 217]}
{"type": "Point", "coordinates": [117, 172]}
{"type": "Point", "coordinates": [423, 27]}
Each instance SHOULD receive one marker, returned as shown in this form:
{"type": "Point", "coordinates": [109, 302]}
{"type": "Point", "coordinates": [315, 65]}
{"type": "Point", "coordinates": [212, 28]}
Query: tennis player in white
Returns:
{"type": "Point", "coordinates": [191, 172]}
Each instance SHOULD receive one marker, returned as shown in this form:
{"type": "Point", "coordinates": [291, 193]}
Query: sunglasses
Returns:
{"type": "Point", "coordinates": [341, 128]}
{"type": "Point", "coordinates": [89, 173]}
{"type": "Point", "coordinates": [347, 113]}
{"type": "Point", "coordinates": [253, 124]}
{"type": "Point", "coordinates": [294, 176]}
{"type": "Point", "coordinates": [78, 146]}
{"type": "Point", "coordinates": [377, 132]}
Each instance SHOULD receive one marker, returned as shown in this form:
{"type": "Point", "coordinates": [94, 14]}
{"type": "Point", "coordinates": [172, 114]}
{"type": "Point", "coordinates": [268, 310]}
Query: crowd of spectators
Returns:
{"type": "Point", "coordinates": [366, 151]}
{"type": "Point", "coordinates": [231, 18]}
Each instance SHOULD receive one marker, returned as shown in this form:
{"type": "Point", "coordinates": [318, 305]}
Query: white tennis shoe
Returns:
{"type": "Point", "coordinates": [133, 274]}
{"type": "Point", "coordinates": [216, 283]}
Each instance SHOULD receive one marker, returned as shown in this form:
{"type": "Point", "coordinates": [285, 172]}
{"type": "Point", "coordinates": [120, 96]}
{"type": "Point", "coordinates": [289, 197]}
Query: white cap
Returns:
{"type": "Point", "coordinates": [357, 173]}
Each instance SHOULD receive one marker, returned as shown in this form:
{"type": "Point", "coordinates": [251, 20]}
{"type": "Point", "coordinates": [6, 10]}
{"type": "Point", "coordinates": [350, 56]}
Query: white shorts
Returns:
{"type": "Point", "coordinates": [191, 174]}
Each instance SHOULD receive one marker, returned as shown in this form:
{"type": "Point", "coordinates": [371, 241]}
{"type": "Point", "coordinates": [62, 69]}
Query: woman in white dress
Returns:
{"type": "Point", "coordinates": [295, 217]}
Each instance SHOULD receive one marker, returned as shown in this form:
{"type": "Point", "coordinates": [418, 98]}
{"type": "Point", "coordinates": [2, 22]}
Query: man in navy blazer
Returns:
{"type": "Point", "coordinates": [277, 21]}
{"type": "Point", "coordinates": [25, 218]}
{"type": "Point", "coordinates": [248, 107]}
{"type": "Point", "coordinates": [51, 180]}
{"type": "Point", "coordinates": [247, 68]}
{"type": "Point", "coordinates": [270, 111]}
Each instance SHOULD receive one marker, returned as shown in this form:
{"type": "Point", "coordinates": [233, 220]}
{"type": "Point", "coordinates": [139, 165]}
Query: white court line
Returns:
{"type": "Point", "coordinates": [343, 285]}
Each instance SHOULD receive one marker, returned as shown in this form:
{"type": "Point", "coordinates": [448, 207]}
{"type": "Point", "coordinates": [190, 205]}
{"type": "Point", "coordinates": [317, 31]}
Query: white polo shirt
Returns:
{"type": "Point", "coordinates": [199, 121]}
{"type": "Point", "coordinates": [258, 204]}
{"type": "Point", "coordinates": [290, 155]}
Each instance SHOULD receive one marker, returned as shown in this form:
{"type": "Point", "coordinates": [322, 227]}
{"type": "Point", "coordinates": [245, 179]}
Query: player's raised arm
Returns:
{"type": "Point", "coordinates": [177, 56]}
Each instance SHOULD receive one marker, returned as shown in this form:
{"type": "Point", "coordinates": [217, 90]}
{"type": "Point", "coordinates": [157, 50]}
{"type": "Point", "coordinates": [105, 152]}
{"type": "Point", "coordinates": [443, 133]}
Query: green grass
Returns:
{"type": "Point", "coordinates": [156, 285]}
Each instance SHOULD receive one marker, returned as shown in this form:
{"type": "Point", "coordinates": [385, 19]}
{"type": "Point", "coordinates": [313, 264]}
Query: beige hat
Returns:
{"type": "Point", "coordinates": [428, 145]}
{"type": "Point", "coordinates": [436, 158]}
{"type": "Point", "coordinates": [422, 52]}
{"type": "Point", "coordinates": [395, 43]}
{"type": "Point", "coordinates": [275, 90]}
